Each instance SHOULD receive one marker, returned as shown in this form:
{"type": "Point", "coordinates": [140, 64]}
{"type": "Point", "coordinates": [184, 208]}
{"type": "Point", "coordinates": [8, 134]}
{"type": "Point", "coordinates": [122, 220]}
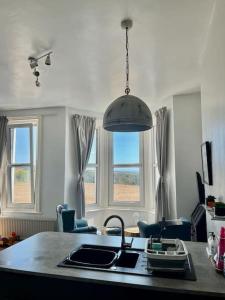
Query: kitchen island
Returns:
{"type": "Point", "coordinates": [28, 270]}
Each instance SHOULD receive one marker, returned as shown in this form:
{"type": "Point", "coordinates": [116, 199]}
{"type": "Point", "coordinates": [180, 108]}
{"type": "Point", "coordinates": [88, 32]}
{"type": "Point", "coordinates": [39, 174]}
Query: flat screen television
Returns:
{"type": "Point", "coordinates": [206, 153]}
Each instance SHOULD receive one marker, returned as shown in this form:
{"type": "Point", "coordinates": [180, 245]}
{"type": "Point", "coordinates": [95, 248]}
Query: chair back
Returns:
{"type": "Point", "coordinates": [66, 221]}
{"type": "Point", "coordinates": [65, 218]}
{"type": "Point", "coordinates": [181, 231]}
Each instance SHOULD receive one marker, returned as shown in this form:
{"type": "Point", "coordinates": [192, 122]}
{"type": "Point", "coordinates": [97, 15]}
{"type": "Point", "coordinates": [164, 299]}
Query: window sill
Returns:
{"type": "Point", "coordinates": [93, 209]}
{"type": "Point", "coordinates": [135, 209]}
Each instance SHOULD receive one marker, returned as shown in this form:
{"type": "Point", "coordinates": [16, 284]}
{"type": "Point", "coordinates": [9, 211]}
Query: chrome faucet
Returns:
{"type": "Point", "coordinates": [124, 245]}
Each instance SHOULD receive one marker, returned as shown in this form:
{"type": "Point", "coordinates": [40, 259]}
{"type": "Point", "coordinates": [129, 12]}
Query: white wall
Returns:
{"type": "Point", "coordinates": [184, 156]}
{"type": "Point", "coordinates": [213, 99]}
{"type": "Point", "coordinates": [188, 139]}
{"type": "Point", "coordinates": [52, 167]}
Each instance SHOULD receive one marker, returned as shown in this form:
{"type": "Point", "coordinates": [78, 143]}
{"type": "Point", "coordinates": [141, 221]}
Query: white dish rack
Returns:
{"type": "Point", "coordinates": [172, 256]}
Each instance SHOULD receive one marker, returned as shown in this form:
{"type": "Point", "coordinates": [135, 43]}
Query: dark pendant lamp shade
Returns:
{"type": "Point", "coordinates": [127, 114]}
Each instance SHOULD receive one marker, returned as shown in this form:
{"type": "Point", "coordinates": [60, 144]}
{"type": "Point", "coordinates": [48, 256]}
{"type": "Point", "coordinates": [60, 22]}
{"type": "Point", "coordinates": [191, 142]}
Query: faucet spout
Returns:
{"type": "Point", "coordinates": [124, 245]}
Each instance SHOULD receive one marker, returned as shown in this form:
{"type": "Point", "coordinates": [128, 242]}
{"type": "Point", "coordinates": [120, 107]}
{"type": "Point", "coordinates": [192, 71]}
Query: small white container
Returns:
{"type": "Point", "coordinates": [212, 244]}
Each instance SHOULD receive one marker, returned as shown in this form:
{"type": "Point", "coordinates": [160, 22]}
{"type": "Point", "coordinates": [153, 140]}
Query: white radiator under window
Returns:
{"type": "Point", "coordinates": [25, 227]}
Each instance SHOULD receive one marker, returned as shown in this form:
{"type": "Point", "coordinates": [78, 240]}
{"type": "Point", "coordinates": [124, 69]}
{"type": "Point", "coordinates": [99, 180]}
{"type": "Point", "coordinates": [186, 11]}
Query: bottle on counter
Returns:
{"type": "Point", "coordinates": [212, 244]}
{"type": "Point", "coordinates": [220, 250]}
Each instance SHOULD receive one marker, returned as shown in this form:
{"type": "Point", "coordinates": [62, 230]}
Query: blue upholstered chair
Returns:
{"type": "Point", "coordinates": [182, 230]}
{"type": "Point", "coordinates": [66, 221]}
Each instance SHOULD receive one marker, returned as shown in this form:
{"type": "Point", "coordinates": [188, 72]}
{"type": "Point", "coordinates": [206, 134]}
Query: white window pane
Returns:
{"type": "Point", "coordinates": [126, 147]}
{"type": "Point", "coordinates": [20, 145]}
{"type": "Point", "coordinates": [126, 184]}
{"type": "Point", "coordinates": [90, 186]}
{"type": "Point", "coordinates": [34, 128]}
{"type": "Point", "coordinates": [21, 185]}
{"type": "Point", "coordinates": [35, 145]}
{"type": "Point", "coordinates": [92, 158]}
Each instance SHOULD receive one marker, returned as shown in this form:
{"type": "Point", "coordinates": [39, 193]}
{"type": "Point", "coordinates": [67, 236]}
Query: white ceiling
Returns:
{"type": "Point", "coordinates": [88, 62]}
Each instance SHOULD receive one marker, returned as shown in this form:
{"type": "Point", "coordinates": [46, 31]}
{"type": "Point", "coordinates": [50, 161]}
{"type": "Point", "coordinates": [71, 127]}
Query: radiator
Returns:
{"type": "Point", "coordinates": [25, 227]}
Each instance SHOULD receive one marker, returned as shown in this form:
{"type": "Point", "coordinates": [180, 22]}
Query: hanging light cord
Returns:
{"type": "Point", "coordinates": [127, 89]}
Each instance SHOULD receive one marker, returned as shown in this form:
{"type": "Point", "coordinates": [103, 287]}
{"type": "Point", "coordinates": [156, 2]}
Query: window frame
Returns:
{"type": "Point", "coordinates": [33, 207]}
{"type": "Point", "coordinates": [11, 165]}
{"type": "Point", "coordinates": [97, 170]}
{"type": "Point", "coordinates": [140, 165]}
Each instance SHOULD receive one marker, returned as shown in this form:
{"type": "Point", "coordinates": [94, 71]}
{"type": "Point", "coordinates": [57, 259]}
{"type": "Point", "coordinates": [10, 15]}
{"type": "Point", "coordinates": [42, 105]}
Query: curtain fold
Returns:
{"type": "Point", "coordinates": [84, 129]}
{"type": "Point", "coordinates": [162, 205]}
{"type": "Point", "coordinates": [3, 156]}
{"type": "Point", "coordinates": [3, 136]}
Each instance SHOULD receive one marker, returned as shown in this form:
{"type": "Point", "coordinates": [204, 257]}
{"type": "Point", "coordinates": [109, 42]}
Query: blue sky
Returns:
{"type": "Point", "coordinates": [125, 149]}
{"type": "Point", "coordinates": [22, 154]}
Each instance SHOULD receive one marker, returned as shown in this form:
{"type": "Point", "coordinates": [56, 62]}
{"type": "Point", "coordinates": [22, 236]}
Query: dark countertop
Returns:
{"type": "Point", "coordinates": [40, 254]}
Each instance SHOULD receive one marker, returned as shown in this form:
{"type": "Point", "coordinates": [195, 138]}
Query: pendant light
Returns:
{"type": "Point", "coordinates": [127, 113]}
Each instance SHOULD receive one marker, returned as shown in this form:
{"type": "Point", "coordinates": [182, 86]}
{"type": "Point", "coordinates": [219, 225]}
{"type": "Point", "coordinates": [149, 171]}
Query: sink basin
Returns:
{"type": "Point", "coordinates": [127, 259]}
{"type": "Point", "coordinates": [93, 256]}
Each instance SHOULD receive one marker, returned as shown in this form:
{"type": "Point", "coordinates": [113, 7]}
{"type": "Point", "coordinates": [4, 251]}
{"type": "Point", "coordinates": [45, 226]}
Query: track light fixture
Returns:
{"type": "Point", "coordinates": [34, 64]}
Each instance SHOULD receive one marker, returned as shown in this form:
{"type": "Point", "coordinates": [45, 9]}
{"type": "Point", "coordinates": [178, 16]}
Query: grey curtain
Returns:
{"type": "Point", "coordinates": [3, 136]}
{"type": "Point", "coordinates": [84, 129]}
{"type": "Point", "coordinates": [162, 206]}
{"type": "Point", "coordinates": [3, 156]}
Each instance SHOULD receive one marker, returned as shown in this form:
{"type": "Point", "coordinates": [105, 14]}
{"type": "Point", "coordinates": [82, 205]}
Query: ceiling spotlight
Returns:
{"type": "Point", "coordinates": [48, 60]}
{"type": "Point", "coordinates": [37, 83]}
{"type": "Point", "coordinates": [33, 62]}
{"type": "Point", "coordinates": [37, 74]}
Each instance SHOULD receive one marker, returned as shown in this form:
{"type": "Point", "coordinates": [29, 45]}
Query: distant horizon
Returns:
{"type": "Point", "coordinates": [122, 170]}
{"type": "Point", "coordinates": [126, 170]}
